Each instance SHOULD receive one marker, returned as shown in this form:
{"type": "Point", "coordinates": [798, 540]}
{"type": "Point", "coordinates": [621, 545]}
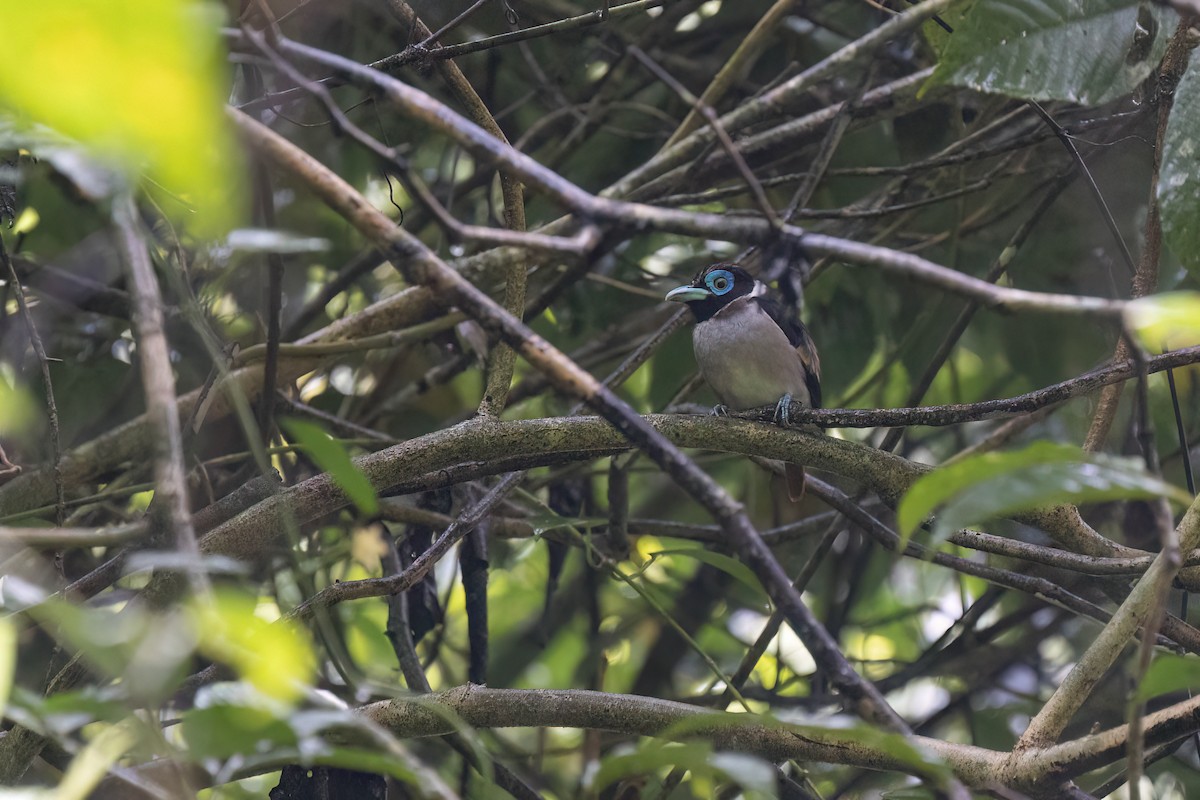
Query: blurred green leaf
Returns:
{"type": "Point", "coordinates": [68, 711]}
{"type": "Point", "coordinates": [1178, 180]}
{"type": "Point", "coordinates": [1169, 672]}
{"type": "Point", "coordinates": [724, 563]}
{"type": "Point", "coordinates": [148, 651]}
{"type": "Point", "coordinates": [137, 81]}
{"type": "Point", "coordinates": [1165, 321]}
{"type": "Point", "coordinates": [1082, 52]}
{"type": "Point", "coordinates": [8, 660]}
{"type": "Point", "coordinates": [922, 762]}
{"type": "Point", "coordinates": [223, 731]}
{"type": "Point", "coordinates": [276, 658]}
{"type": "Point", "coordinates": [330, 456]}
{"type": "Point", "coordinates": [94, 761]}
{"type": "Point", "coordinates": [995, 485]}
{"type": "Point", "coordinates": [754, 775]}
{"type": "Point", "coordinates": [17, 409]}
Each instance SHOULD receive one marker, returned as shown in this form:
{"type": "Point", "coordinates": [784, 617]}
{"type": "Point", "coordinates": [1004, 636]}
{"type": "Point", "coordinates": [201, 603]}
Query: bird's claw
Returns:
{"type": "Point", "coordinates": [719, 410]}
{"type": "Point", "coordinates": [782, 409]}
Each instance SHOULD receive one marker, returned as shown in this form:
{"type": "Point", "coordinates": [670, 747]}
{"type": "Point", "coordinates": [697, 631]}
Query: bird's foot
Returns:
{"type": "Point", "coordinates": [719, 410]}
{"type": "Point", "coordinates": [781, 410]}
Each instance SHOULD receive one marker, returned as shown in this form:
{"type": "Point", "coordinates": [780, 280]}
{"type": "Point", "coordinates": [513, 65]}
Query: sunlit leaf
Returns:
{"type": "Point", "coordinates": [1178, 179]}
{"type": "Point", "coordinates": [276, 658]}
{"type": "Point", "coordinates": [330, 456]}
{"type": "Point", "coordinates": [93, 762]}
{"type": "Point", "coordinates": [1081, 51]}
{"type": "Point", "coordinates": [1165, 321]}
{"type": "Point", "coordinates": [17, 409]}
{"type": "Point", "coordinates": [27, 222]}
{"type": "Point", "coordinates": [995, 485]}
{"type": "Point", "coordinates": [137, 81]}
{"type": "Point", "coordinates": [8, 659]}
{"type": "Point", "coordinates": [722, 562]}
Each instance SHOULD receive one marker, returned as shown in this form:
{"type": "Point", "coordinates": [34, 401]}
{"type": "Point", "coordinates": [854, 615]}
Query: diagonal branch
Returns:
{"type": "Point", "coordinates": [158, 380]}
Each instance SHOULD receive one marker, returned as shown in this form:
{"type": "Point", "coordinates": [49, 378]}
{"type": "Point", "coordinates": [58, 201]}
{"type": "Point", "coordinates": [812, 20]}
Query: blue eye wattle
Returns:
{"type": "Point", "coordinates": [719, 281]}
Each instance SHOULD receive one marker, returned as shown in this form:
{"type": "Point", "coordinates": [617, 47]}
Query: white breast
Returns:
{"type": "Point", "coordinates": [746, 358]}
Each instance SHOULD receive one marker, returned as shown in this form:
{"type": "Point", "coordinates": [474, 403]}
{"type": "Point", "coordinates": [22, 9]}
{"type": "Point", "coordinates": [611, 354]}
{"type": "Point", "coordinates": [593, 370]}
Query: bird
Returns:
{"type": "Point", "coordinates": [750, 350]}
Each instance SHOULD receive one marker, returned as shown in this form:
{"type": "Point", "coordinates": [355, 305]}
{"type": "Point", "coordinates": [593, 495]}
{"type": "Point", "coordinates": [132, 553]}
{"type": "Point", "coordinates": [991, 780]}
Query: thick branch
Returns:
{"type": "Point", "coordinates": [492, 447]}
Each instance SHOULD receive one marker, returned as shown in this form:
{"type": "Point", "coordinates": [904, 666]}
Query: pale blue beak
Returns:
{"type": "Point", "coordinates": [686, 294]}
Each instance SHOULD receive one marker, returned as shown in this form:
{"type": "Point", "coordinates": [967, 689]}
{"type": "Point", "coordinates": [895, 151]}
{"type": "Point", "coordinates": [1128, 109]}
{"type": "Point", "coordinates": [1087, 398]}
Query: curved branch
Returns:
{"type": "Point", "coordinates": [491, 447]}
{"type": "Point", "coordinates": [481, 707]}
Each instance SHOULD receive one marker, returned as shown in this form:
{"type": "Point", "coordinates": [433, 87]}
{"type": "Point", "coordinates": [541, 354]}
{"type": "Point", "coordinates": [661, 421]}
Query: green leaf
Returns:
{"type": "Point", "coordinates": [1081, 51]}
{"type": "Point", "coordinates": [1179, 177]}
{"type": "Point", "coordinates": [276, 658]}
{"type": "Point", "coordinates": [754, 775]}
{"type": "Point", "coordinates": [1169, 673]}
{"type": "Point", "coordinates": [918, 760]}
{"type": "Point", "coordinates": [139, 82]}
{"type": "Point", "coordinates": [8, 659]}
{"type": "Point", "coordinates": [93, 762]}
{"type": "Point", "coordinates": [330, 456]}
{"type": "Point", "coordinates": [1001, 484]}
{"type": "Point", "coordinates": [18, 411]}
{"type": "Point", "coordinates": [222, 731]}
{"type": "Point", "coordinates": [1165, 321]}
{"type": "Point", "coordinates": [724, 563]}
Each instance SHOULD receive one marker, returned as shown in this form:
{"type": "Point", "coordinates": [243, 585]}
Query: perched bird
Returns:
{"type": "Point", "coordinates": [750, 351]}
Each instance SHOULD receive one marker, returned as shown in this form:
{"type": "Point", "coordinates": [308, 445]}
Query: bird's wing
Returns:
{"type": "Point", "coordinates": [797, 334]}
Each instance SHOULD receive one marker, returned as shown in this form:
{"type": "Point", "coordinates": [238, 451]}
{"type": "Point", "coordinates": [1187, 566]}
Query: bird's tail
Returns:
{"type": "Point", "coordinates": [794, 473]}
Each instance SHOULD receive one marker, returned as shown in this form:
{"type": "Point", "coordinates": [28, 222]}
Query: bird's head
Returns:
{"type": "Point", "coordinates": [714, 288]}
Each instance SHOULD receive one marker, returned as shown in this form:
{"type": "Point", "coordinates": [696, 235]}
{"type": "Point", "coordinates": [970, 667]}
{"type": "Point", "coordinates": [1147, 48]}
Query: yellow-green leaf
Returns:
{"type": "Point", "coordinates": [8, 660]}
{"type": "Point", "coordinates": [274, 657]}
{"type": "Point", "coordinates": [1165, 321]}
{"type": "Point", "coordinates": [139, 82]}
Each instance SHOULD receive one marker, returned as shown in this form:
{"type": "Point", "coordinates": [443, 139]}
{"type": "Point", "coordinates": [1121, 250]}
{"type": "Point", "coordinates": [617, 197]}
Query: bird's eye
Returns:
{"type": "Point", "coordinates": [720, 281]}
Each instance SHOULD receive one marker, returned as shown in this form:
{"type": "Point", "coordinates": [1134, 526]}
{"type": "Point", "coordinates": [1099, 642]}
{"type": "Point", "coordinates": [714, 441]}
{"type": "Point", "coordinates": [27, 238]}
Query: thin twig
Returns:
{"type": "Point", "coordinates": [39, 350]}
{"type": "Point", "coordinates": [639, 216]}
{"type": "Point", "coordinates": [159, 383]}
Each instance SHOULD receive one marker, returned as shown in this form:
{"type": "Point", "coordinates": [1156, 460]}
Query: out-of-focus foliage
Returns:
{"type": "Point", "coordinates": [1165, 321]}
{"type": "Point", "coordinates": [274, 656]}
{"type": "Point", "coordinates": [139, 83]}
{"type": "Point", "coordinates": [957, 168]}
